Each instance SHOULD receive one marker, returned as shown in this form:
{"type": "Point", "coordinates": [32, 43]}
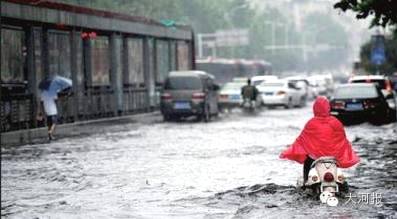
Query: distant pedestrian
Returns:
{"type": "Point", "coordinates": [50, 87]}
{"type": "Point", "coordinates": [48, 105]}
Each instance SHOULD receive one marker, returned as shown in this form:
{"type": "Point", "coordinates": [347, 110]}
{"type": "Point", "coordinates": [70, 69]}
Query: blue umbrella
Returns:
{"type": "Point", "coordinates": [54, 85]}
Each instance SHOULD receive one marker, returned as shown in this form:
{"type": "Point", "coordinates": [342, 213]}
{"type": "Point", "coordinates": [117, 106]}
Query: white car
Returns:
{"type": "Point", "coordinates": [304, 85]}
{"type": "Point", "coordinates": [230, 94]}
{"type": "Point", "coordinates": [383, 82]}
{"type": "Point", "coordinates": [322, 84]}
{"type": "Point", "coordinates": [256, 80]}
{"type": "Point", "coordinates": [280, 93]}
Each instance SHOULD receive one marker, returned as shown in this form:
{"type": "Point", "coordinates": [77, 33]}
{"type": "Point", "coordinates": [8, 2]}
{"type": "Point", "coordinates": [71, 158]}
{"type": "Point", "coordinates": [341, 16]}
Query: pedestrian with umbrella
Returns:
{"type": "Point", "coordinates": [50, 87]}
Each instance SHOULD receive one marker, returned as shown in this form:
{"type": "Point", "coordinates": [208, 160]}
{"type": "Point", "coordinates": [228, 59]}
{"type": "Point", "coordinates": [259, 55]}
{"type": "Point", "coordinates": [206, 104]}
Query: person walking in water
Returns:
{"type": "Point", "coordinates": [50, 87]}
{"type": "Point", "coordinates": [48, 105]}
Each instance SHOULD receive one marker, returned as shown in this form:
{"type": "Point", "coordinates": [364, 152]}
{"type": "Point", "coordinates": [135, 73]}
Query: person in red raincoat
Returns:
{"type": "Point", "coordinates": [323, 135]}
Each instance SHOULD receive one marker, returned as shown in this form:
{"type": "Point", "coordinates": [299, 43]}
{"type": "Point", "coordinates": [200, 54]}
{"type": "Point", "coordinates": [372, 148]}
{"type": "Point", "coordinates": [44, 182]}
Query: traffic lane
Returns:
{"type": "Point", "coordinates": [177, 169]}
{"type": "Point", "coordinates": [152, 159]}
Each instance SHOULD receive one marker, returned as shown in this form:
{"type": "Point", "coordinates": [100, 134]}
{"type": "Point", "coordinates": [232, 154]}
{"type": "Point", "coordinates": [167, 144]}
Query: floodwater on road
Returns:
{"type": "Point", "coordinates": [228, 168]}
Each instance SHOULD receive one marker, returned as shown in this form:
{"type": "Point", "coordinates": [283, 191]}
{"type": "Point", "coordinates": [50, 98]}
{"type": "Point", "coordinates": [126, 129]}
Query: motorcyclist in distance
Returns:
{"type": "Point", "coordinates": [249, 94]}
{"type": "Point", "coordinates": [323, 135]}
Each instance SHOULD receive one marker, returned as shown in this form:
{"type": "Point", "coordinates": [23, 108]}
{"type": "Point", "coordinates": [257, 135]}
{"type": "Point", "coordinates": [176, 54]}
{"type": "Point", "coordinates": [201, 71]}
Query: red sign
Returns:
{"type": "Point", "coordinates": [88, 35]}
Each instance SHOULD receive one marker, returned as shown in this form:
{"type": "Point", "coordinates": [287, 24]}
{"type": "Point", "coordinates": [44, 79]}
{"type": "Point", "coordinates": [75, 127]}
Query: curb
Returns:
{"type": "Point", "coordinates": [37, 135]}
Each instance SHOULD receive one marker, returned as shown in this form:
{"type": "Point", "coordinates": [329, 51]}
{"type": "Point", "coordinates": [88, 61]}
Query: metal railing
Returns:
{"type": "Point", "coordinates": [17, 112]}
{"type": "Point", "coordinates": [134, 100]}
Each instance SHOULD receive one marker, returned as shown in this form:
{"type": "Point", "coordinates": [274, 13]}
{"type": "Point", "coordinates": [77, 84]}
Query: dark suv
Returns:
{"type": "Point", "coordinates": [188, 93]}
{"type": "Point", "coordinates": [359, 102]}
{"type": "Point", "coordinates": [385, 84]}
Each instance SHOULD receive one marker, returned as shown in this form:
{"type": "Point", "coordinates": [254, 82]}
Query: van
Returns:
{"type": "Point", "coordinates": [189, 93]}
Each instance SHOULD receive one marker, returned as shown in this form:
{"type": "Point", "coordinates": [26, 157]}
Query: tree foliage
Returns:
{"type": "Point", "coordinates": [384, 11]}
{"type": "Point", "coordinates": [389, 66]}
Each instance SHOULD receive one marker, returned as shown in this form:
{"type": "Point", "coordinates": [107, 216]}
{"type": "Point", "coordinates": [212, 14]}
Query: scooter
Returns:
{"type": "Point", "coordinates": [327, 180]}
{"type": "Point", "coordinates": [248, 106]}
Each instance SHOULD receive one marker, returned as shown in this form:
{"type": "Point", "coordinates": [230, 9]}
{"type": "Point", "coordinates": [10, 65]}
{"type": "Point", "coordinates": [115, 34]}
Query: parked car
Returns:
{"type": "Point", "coordinates": [256, 80]}
{"type": "Point", "coordinates": [322, 84]}
{"type": "Point", "coordinates": [189, 93]}
{"type": "Point", "coordinates": [230, 95]}
{"type": "Point", "coordinates": [384, 83]}
{"type": "Point", "coordinates": [280, 93]}
{"type": "Point", "coordinates": [360, 102]}
{"type": "Point", "coordinates": [304, 85]}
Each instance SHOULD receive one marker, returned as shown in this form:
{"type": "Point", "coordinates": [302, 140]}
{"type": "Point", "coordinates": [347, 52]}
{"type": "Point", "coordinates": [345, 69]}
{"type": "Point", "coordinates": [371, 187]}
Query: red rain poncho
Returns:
{"type": "Point", "coordinates": [323, 135]}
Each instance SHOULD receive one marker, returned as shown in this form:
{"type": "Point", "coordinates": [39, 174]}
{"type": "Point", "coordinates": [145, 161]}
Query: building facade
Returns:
{"type": "Point", "coordinates": [117, 62]}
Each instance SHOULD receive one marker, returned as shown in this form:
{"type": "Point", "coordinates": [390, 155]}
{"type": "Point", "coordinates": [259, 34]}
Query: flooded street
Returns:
{"type": "Point", "coordinates": [228, 168]}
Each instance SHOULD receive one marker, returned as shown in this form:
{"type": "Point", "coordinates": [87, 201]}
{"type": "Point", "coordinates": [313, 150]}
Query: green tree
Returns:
{"type": "Point", "coordinates": [384, 12]}
{"type": "Point", "coordinates": [390, 64]}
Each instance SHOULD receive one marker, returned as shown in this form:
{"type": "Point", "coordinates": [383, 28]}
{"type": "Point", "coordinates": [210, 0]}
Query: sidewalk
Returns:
{"type": "Point", "coordinates": [39, 135]}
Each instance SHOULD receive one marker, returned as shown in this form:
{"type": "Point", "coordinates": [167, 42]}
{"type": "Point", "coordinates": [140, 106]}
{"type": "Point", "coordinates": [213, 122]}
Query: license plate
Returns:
{"type": "Point", "coordinates": [354, 106]}
{"type": "Point", "coordinates": [268, 93]}
{"type": "Point", "coordinates": [182, 105]}
{"type": "Point", "coordinates": [234, 97]}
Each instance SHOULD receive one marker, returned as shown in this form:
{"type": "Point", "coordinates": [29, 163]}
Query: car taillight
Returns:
{"type": "Point", "coordinates": [198, 96]}
{"type": "Point", "coordinates": [338, 105]}
{"type": "Point", "coordinates": [369, 104]}
{"type": "Point", "coordinates": [166, 96]}
{"type": "Point", "coordinates": [281, 93]}
{"type": "Point", "coordinates": [328, 177]}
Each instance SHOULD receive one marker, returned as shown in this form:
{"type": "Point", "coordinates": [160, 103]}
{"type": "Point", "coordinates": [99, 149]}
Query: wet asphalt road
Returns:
{"type": "Point", "coordinates": [228, 168]}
